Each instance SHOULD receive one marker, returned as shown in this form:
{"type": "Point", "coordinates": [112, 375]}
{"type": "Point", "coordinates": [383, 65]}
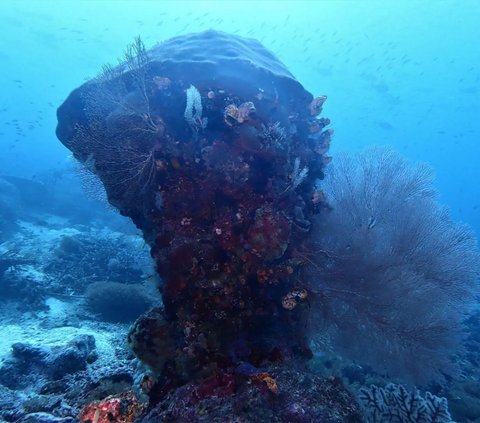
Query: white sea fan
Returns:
{"type": "Point", "coordinates": [193, 108]}
{"type": "Point", "coordinates": [298, 176]}
{"type": "Point", "coordinates": [91, 183]}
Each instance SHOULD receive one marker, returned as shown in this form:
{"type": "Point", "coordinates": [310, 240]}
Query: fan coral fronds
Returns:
{"type": "Point", "coordinates": [395, 404]}
{"type": "Point", "coordinates": [393, 275]}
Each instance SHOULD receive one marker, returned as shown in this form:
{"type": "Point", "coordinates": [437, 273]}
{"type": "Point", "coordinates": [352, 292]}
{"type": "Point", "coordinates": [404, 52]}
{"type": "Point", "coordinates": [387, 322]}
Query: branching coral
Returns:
{"type": "Point", "coordinates": [394, 404]}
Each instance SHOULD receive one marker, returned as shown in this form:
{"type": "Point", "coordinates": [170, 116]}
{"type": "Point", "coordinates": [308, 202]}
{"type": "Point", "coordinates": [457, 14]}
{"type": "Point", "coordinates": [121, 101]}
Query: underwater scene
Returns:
{"type": "Point", "coordinates": [239, 211]}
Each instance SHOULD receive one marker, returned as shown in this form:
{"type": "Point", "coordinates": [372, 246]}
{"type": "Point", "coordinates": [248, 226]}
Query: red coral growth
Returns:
{"type": "Point", "coordinates": [124, 408]}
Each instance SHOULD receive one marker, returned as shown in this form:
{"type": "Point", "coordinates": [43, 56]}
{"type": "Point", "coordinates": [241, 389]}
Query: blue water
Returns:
{"type": "Point", "coordinates": [403, 73]}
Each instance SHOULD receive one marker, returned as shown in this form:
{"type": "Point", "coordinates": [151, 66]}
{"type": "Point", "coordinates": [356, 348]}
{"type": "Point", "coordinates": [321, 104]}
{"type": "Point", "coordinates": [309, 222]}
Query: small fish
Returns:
{"type": "Point", "coordinates": [385, 125]}
{"type": "Point", "coordinates": [371, 222]}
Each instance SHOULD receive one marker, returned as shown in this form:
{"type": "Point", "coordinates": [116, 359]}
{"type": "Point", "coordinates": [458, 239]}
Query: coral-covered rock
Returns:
{"type": "Point", "coordinates": [206, 143]}
{"type": "Point", "coordinates": [269, 234]}
{"type": "Point", "coordinates": [276, 394]}
{"type": "Point", "coordinates": [152, 340]}
{"type": "Point", "coordinates": [30, 364]}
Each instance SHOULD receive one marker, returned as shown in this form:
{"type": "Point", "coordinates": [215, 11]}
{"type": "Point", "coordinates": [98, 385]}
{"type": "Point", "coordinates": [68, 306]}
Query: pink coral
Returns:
{"type": "Point", "coordinates": [124, 408]}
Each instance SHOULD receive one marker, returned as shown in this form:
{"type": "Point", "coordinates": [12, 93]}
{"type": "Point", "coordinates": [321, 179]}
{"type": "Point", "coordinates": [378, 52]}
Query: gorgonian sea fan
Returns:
{"type": "Point", "coordinates": [393, 274]}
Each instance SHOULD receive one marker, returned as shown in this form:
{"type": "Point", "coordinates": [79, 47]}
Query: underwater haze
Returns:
{"type": "Point", "coordinates": [402, 73]}
{"type": "Point", "coordinates": [250, 211]}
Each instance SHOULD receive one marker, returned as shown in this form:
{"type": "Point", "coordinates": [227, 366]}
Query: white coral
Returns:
{"type": "Point", "coordinates": [193, 108]}
{"type": "Point", "coordinates": [298, 175]}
